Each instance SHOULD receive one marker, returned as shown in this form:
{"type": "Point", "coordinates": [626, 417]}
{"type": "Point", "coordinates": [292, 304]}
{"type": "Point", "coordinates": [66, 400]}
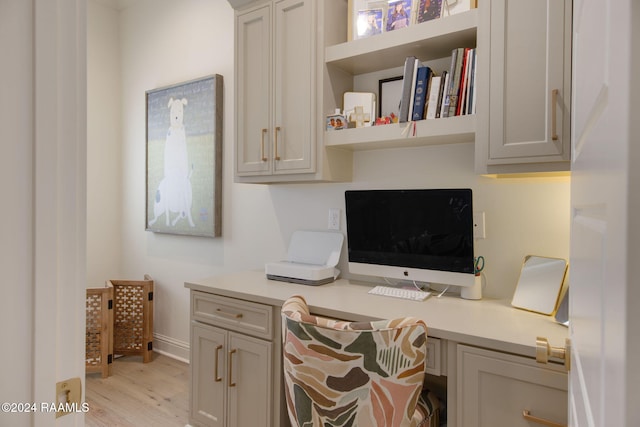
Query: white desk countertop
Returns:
{"type": "Point", "coordinates": [485, 323]}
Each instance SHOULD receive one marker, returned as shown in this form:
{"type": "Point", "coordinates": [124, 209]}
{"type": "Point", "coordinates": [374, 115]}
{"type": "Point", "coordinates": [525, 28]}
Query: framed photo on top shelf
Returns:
{"type": "Point", "coordinates": [366, 18]}
{"type": "Point", "coordinates": [428, 10]}
{"type": "Point", "coordinates": [452, 7]}
{"type": "Point", "coordinates": [399, 15]}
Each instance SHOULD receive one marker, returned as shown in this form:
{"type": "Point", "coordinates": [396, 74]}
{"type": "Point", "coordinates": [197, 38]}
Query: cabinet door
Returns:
{"type": "Point", "coordinates": [207, 364]}
{"type": "Point", "coordinates": [527, 75]}
{"type": "Point", "coordinates": [253, 96]}
{"type": "Point", "coordinates": [295, 84]}
{"type": "Point", "coordinates": [249, 381]}
{"type": "Point", "coordinates": [494, 389]}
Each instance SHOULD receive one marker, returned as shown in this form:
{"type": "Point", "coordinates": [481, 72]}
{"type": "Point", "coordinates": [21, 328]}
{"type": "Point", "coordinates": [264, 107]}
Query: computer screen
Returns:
{"type": "Point", "coordinates": [419, 234]}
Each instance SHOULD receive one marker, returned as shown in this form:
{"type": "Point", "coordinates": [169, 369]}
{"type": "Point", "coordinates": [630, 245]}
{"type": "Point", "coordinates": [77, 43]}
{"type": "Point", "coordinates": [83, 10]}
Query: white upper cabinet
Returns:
{"type": "Point", "coordinates": [524, 87]}
{"type": "Point", "coordinates": [277, 119]}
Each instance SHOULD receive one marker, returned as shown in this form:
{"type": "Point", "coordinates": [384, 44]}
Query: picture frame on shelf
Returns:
{"type": "Point", "coordinates": [365, 18]}
{"type": "Point", "coordinates": [428, 10]}
{"type": "Point", "coordinates": [389, 95]}
{"type": "Point", "coordinates": [453, 7]}
{"type": "Point", "coordinates": [184, 158]}
{"type": "Point", "coordinates": [399, 15]}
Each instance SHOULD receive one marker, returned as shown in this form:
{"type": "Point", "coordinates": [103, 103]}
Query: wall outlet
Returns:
{"type": "Point", "coordinates": [478, 225]}
{"type": "Point", "coordinates": [334, 219]}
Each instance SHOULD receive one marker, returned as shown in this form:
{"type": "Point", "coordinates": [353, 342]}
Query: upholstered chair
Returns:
{"type": "Point", "coordinates": [367, 374]}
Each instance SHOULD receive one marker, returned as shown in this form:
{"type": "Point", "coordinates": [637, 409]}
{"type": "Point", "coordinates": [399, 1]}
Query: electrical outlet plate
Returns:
{"type": "Point", "coordinates": [334, 219]}
{"type": "Point", "coordinates": [478, 225]}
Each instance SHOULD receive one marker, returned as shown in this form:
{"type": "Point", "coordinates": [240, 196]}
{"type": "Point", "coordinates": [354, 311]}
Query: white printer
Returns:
{"type": "Point", "coordinates": [311, 259]}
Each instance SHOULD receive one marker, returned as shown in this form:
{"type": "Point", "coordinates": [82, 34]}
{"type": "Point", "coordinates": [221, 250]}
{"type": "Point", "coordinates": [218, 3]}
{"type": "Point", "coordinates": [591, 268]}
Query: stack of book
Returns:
{"type": "Point", "coordinates": [427, 95]}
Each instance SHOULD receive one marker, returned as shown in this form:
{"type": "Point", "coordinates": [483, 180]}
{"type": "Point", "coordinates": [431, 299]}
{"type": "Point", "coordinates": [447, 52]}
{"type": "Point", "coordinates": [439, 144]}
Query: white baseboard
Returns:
{"type": "Point", "coordinates": [171, 347]}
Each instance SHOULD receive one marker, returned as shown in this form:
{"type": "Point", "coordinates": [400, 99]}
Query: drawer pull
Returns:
{"type": "Point", "coordinates": [216, 377]}
{"type": "Point", "coordinates": [231, 383]}
{"type": "Point", "coordinates": [227, 314]}
{"type": "Point", "coordinates": [526, 414]}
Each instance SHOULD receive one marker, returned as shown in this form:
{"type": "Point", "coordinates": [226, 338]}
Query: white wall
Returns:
{"type": "Point", "coordinates": [165, 42]}
{"type": "Point", "coordinates": [104, 148]}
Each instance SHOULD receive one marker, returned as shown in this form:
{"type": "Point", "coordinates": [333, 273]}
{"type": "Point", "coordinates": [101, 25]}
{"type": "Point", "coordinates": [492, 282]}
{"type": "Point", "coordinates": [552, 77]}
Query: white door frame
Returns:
{"type": "Point", "coordinates": [60, 200]}
{"type": "Point", "coordinates": [605, 204]}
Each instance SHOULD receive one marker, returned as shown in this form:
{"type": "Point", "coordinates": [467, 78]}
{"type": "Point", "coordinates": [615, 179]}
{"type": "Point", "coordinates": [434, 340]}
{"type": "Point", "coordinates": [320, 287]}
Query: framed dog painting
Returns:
{"type": "Point", "coordinates": [184, 158]}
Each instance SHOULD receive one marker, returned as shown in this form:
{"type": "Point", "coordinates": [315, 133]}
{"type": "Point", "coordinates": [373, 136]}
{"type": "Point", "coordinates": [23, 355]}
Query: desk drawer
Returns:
{"type": "Point", "coordinates": [237, 315]}
{"type": "Point", "coordinates": [498, 389]}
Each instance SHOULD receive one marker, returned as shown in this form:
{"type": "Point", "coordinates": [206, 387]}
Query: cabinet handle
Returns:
{"type": "Point", "coordinates": [526, 414]}
{"type": "Point", "coordinates": [227, 314]}
{"type": "Point", "coordinates": [262, 156]}
{"type": "Point", "coordinates": [216, 377]}
{"type": "Point", "coordinates": [231, 383]}
{"type": "Point", "coordinates": [544, 351]}
{"type": "Point", "coordinates": [554, 101]}
{"type": "Point", "coordinates": [277, 157]}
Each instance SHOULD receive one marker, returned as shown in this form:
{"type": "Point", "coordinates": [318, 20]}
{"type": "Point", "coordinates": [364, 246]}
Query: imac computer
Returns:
{"type": "Point", "coordinates": [423, 235]}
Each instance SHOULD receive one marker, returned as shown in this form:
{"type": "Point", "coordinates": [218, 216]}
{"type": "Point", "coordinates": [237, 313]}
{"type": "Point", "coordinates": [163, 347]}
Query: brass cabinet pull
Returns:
{"type": "Point", "coordinates": [230, 383]}
{"type": "Point", "coordinates": [526, 414]}
{"type": "Point", "coordinates": [227, 314]}
{"type": "Point", "coordinates": [262, 156]}
{"type": "Point", "coordinates": [554, 101]}
{"type": "Point", "coordinates": [544, 351]}
{"type": "Point", "coordinates": [277, 157]}
{"type": "Point", "coordinates": [216, 377]}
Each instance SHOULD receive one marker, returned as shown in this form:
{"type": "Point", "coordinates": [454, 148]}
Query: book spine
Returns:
{"type": "Point", "coordinates": [447, 92]}
{"type": "Point", "coordinates": [455, 83]}
{"type": "Point", "coordinates": [433, 97]}
{"type": "Point", "coordinates": [464, 74]}
{"type": "Point", "coordinates": [472, 87]}
{"type": "Point", "coordinates": [443, 94]}
{"type": "Point", "coordinates": [407, 80]}
{"type": "Point", "coordinates": [419, 99]}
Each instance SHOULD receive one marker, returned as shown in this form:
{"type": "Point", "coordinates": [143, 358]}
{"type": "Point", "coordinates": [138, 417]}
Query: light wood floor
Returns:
{"type": "Point", "coordinates": [139, 394]}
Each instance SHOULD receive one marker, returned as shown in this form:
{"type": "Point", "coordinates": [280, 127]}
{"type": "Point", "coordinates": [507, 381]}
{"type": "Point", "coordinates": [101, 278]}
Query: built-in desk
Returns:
{"type": "Point", "coordinates": [486, 347]}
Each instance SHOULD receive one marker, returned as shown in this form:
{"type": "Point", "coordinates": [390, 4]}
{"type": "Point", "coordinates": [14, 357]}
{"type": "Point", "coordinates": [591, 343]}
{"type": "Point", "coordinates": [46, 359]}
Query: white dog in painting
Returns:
{"type": "Point", "coordinates": [174, 194]}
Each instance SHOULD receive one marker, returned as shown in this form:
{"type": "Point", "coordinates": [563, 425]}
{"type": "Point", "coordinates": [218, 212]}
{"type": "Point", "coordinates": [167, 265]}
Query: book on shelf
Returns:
{"type": "Point", "coordinates": [423, 77]}
{"type": "Point", "coordinates": [407, 83]}
{"type": "Point", "coordinates": [447, 90]}
{"type": "Point", "coordinates": [412, 91]}
{"type": "Point", "coordinates": [454, 90]}
{"type": "Point", "coordinates": [443, 84]}
{"type": "Point", "coordinates": [434, 93]}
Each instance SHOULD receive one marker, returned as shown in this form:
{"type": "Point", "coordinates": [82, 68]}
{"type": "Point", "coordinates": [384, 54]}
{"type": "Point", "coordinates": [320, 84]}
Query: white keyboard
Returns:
{"type": "Point", "coordinates": [410, 294]}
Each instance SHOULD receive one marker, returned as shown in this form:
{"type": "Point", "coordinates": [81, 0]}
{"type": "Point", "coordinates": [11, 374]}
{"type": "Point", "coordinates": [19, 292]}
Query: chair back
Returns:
{"type": "Point", "coordinates": [340, 373]}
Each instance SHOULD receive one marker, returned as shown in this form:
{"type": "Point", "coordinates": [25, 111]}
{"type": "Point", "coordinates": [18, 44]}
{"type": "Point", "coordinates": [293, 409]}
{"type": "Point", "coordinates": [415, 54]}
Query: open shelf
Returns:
{"type": "Point", "coordinates": [450, 130]}
{"type": "Point", "coordinates": [430, 40]}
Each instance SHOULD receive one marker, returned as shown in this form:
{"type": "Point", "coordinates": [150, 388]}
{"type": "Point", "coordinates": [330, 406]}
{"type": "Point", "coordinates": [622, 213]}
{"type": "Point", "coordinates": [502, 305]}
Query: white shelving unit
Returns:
{"type": "Point", "coordinates": [450, 130]}
{"type": "Point", "coordinates": [428, 41]}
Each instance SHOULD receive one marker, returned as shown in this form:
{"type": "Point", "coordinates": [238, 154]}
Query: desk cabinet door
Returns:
{"type": "Point", "coordinates": [208, 362]}
{"type": "Point", "coordinates": [494, 389]}
{"type": "Point", "coordinates": [249, 381]}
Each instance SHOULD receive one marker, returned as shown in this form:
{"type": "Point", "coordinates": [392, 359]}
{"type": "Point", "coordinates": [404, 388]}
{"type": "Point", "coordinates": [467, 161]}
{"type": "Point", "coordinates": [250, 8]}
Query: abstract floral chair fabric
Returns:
{"type": "Point", "coordinates": [368, 374]}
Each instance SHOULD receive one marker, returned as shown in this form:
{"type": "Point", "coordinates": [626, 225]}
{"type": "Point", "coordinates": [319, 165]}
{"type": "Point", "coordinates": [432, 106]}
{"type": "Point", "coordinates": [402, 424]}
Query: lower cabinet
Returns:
{"type": "Point", "coordinates": [499, 389]}
{"type": "Point", "coordinates": [231, 371]}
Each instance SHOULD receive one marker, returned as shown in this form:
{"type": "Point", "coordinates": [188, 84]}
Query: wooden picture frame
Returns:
{"type": "Point", "coordinates": [184, 158]}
